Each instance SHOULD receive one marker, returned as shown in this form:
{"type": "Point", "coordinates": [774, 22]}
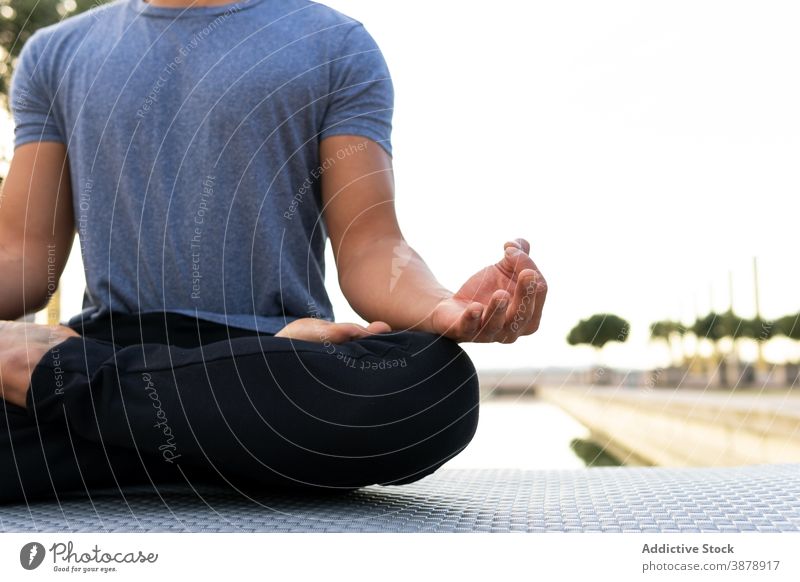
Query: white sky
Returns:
{"type": "Point", "coordinates": [645, 149]}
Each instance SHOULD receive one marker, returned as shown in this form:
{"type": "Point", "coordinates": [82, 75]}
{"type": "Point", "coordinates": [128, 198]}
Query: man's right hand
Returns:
{"type": "Point", "coordinates": [312, 329]}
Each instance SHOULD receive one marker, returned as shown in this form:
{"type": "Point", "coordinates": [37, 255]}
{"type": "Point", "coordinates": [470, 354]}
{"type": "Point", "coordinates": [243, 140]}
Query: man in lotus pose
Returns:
{"type": "Point", "coordinates": [204, 151]}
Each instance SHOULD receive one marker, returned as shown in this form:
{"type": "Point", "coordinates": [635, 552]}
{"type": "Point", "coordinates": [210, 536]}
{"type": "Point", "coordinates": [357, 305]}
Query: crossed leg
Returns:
{"type": "Point", "coordinates": [167, 398]}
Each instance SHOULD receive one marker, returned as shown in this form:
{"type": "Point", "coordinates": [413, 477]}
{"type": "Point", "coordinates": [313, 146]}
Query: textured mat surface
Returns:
{"type": "Point", "coordinates": [758, 498]}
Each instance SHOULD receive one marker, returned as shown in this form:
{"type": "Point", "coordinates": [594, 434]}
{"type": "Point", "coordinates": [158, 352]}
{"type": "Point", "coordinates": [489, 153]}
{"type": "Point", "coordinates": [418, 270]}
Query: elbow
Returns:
{"type": "Point", "coordinates": [26, 295]}
{"type": "Point", "coordinates": [25, 304]}
{"type": "Point", "coordinates": [37, 302]}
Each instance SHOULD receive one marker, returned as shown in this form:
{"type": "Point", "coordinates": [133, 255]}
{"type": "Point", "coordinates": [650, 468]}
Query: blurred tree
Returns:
{"type": "Point", "coordinates": [666, 331]}
{"type": "Point", "coordinates": [789, 326]}
{"type": "Point", "coordinates": [19, 19]}
{"type": "Point", "coordinates": [733, 326]}
{"type": "Point", "coordinates": [661, 330]}
{"type": "Point", "coordinates": [760, 329]}
{"type": "Point", "coordinates": [599, 330]}
{"type": "Point", "coordinates": [712, 327]}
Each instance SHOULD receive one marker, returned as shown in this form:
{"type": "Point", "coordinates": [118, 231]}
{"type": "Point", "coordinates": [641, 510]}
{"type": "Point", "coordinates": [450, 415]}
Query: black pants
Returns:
{"type": "Point", "coordinates": [165, 398]}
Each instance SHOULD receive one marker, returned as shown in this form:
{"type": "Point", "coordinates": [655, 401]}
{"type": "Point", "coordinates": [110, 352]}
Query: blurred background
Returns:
{"type": "Point", "coordinates": [648, 152]}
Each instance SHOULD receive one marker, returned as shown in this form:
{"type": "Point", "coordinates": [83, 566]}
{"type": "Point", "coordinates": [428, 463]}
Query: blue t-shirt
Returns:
{"type": "Point", "coordinates": [193, 140]}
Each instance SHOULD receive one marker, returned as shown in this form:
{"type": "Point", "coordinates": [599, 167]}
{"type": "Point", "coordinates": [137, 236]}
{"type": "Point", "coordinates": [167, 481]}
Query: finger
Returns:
{"type": "Point", "coordinates": [457, 321]}
{"type": "Point", "coordinates": [523, 306]}
{"type": "Point", "coordinates": [338, 333]}
{"type": "Point", "coordinates": [467, 321]}
{"type": "Point", "coordinates": [541, 295]}
{"type": "Point", "coordinates": [521, 244]}
{"type": "Point", "coordinates": [320, 330]}
{"type": "Point", "coordinates": [494, 317]}
{"type": "Point", "coordinates": [353, 331]}
{"type": "Point", "coordinates": [469, 324]}
{"type": "Point", "coordinates": [515, 261]}
{"type": "Point", "coordinates": [378, 327]}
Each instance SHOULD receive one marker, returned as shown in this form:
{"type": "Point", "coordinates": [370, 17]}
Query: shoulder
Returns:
{"type": "Point", "coordinates": [73, 28]}
{"type": "Point", "coordinates": [322, 13]}
{"type": "Point", "coordinates": [317, 16]}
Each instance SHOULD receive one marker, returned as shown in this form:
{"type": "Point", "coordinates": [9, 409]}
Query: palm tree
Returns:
{"type": "Point", "coordinates": [789, 326]}
{"type": "Point", "coordinates": [710, 328]}
{"type": "Point", "coordinates": [713, 328]}
{"type": "Point", "coordinates": [759, 329]}
{"type": "Point", "coordinates": [665, 331]}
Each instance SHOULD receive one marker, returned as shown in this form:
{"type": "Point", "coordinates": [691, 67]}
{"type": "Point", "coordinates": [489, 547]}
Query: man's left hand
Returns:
{"type": "Point", "coordinates": [499, 303]}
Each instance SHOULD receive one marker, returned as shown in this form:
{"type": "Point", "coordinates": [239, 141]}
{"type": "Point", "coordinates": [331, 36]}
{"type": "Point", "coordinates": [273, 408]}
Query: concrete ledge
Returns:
{"type": "Point", "coordinates": [680, 427]}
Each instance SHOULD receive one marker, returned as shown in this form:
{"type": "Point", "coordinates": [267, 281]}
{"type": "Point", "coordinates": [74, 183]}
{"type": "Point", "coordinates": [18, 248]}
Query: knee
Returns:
{"type": "Point", "coordinates": [444, 393]}
{"type": "Point", "coordinates": [393, 409]}
{"type": "Point", "coordinates": [450, 376]}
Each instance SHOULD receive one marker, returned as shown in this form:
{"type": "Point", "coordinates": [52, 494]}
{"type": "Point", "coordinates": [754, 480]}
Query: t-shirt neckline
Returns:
{"type": "Point", "coordinates": [147, 9]}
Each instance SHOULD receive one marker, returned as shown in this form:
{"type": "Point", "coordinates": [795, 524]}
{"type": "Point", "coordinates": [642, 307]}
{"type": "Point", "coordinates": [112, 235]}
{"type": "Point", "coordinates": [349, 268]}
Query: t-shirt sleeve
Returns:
{"type": "Point", "coordinates": [30, 100]}
{"type": "Point", "coordinates": [361, 99]}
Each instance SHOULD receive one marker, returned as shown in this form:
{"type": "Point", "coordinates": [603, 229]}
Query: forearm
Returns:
{"type": "Point", "coordinates": [388, 281]}
{"type": "Point", "coordinates": [36, 227]}
{"type": "Point", "coordinates": [24, 288]}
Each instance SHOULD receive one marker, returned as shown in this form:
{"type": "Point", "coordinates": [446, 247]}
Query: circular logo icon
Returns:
{"type": "Point", "coordinates": [31, 555]}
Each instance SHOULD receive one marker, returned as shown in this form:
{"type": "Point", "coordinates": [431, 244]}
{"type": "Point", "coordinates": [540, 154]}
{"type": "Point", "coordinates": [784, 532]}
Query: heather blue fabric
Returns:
{"type": "Point", "coordinates": [193, 139]}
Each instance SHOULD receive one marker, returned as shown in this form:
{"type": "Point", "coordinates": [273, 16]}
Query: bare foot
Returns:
{"type": "Point", "coordinates": [22, 346]}
{"type": "Point", "coordinates": [320, 330]}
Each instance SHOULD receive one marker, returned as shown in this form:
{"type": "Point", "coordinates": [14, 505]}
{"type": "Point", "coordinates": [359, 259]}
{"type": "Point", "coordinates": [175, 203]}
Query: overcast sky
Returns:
{"type": "Point", "coordinates": [645, 149]}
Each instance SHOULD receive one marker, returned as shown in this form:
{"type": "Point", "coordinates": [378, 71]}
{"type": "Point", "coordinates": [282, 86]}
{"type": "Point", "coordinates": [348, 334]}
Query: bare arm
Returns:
{"type": "Point", "coordinates": [384, 279]}
{"type": "Point", "coordinates": [36, 227]}
{"type": "Point", "coordinates": [377, 268]}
